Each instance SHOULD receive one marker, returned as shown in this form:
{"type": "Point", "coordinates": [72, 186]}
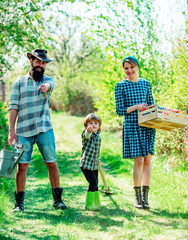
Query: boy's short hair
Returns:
{"type": "Point", "coordinates": [94, 117]}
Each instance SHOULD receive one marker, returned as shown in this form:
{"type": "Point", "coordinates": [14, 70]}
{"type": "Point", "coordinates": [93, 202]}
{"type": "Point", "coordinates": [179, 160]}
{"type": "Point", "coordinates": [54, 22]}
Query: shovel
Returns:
{"type": "Point", "coordinates": [106, 192]}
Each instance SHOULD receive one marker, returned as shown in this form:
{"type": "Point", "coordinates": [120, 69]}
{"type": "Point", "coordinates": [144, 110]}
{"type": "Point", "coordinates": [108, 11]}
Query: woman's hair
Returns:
{"type": "Point", "coordinates": [131, 60]}
{"type": "Point", "coordinates": [94, 117]}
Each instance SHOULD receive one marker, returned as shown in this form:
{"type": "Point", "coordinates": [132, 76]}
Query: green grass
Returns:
{"type": "Point", "coordinates": [166, 220]}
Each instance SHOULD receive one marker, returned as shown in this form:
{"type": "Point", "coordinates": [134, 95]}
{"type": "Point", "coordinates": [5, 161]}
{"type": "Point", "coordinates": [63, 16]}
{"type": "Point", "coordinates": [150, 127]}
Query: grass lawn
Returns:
{"type": "Point", "coordinates": [166, 220]}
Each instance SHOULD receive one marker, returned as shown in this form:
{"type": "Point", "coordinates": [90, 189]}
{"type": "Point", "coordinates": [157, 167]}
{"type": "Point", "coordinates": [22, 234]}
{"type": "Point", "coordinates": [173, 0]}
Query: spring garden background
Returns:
{"type": "Point", "coordinates": [88, 40]}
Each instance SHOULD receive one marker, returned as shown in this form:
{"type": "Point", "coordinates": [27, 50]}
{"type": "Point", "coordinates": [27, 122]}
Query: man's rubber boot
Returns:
{"type": "Point", "coordinates": [90, 202]}
{"type": "Point", "coordinates": [19, 205]}
{"type": "Point", "coordinates": [58, 202]}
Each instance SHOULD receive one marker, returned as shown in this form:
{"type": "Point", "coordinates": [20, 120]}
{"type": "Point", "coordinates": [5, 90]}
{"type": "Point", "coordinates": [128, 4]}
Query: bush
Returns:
{"type": "Point", "coordinates": [3, 125]}
{"type": "Point", "coordinates": [76, 99]}
{"type": "Point", "coordinates": [176, 141]}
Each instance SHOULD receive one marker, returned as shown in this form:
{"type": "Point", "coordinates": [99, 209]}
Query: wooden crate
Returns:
{"type": "Point", "coordinates": [154, 117]}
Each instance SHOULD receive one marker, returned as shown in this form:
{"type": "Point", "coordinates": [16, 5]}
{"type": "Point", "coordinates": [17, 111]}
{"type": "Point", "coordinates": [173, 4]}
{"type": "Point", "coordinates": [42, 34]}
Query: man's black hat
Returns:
{"type": "Point", "coordinates": [41, 54]}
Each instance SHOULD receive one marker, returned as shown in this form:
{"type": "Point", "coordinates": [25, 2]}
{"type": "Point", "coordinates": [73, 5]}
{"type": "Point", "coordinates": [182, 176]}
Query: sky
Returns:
{"type": "Point", "coordinates": [170, 14]}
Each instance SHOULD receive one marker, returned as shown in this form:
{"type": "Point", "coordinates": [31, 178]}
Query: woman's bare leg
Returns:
{"type": "Point", "coordinates": [138, 171]}
{"type": "Point", "coordinates": [147, 170]}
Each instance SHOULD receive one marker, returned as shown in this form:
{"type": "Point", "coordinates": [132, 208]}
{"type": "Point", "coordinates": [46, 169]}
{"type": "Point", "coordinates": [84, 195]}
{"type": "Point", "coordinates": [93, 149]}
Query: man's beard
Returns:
{"type": "Point", "coordinates": [37, 75]}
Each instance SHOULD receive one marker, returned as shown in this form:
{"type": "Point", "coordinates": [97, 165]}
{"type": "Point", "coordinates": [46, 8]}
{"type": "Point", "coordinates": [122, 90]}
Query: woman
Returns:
{"type": "Point", "coordinates": [132, 95]}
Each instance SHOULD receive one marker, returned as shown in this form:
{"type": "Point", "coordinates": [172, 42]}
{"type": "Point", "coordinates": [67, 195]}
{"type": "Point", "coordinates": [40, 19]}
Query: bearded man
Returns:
{"type": "Point", "coordinates": [29, 105]}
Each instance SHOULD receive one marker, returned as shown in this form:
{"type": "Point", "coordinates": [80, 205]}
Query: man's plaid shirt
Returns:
{"type": "Point", "coordinates": [32, 105]}
{"type": "Point", "coordinates": [91, 143]}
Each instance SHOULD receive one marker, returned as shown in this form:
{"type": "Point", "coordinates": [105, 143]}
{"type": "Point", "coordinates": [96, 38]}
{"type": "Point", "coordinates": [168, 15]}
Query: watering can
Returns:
{"type": "Point", "coordinates": [9, 159]}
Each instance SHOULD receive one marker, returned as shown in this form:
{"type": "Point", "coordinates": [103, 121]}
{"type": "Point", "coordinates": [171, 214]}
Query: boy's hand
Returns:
{"type": "Point", "coordinates": [89, 129]}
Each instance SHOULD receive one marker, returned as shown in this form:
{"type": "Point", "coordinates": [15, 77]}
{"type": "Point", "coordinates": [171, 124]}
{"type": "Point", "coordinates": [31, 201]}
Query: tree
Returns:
{"type": "Point", "coordinates": [123, 28]}
{"type": "Point", "coordinates": [76, 63]}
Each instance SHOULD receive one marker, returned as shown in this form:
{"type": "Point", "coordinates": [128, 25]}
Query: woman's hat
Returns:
{"type": "Point", "coordinates": [40, 54]}
{"type": "Point", "coordinates": [130, 58]}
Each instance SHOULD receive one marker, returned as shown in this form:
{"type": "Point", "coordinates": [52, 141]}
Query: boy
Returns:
{"type": "Point", "coordinates": [91, 143]}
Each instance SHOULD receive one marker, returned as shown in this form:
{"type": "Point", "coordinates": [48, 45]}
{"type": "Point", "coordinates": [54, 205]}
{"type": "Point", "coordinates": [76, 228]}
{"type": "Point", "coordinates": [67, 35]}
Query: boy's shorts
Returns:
{"type": "Point", "coordinates": [46, 145]}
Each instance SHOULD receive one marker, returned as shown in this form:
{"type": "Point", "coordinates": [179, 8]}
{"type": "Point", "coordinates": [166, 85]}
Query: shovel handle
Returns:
{"type": "Point", "coordinates": [103, 178]}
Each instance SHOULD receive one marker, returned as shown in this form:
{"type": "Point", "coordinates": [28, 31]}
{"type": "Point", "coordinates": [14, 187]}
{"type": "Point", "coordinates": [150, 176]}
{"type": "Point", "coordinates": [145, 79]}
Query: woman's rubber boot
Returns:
{"type": "Point", "coordinates": [138, 197]}
{"type": "Point", "coordinates": [145, 190]}
{"type": "Point", "coordinates": [58, 202]}
{"type": "Point", "coordinates": [19, 205]}
{"type": "Point", "coordinates": [90, 202]}
{"type": "Point", "coordinates": [97, 201]}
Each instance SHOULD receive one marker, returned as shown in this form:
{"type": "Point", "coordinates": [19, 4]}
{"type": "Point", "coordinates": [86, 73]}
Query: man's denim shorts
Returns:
{"type": "Point", "coordinates": [46, 145]}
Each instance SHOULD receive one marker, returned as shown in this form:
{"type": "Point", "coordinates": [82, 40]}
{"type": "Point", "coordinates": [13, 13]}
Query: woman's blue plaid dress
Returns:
{"type": "Point", "coordinates": [137, 141]}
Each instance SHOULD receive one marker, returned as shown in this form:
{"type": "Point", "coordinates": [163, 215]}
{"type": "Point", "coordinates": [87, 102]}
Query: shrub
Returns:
{"type": "Point", "coordinates": [3, 125]}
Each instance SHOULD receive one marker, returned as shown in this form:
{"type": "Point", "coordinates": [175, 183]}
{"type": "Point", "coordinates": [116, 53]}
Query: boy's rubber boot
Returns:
{"type": "Point", "coordinates": [145, 190]}
{"type": "Point", "coordinates": [97, 201]}
{"type": "Point", "coordinates": [19, 205]}
{"type": "Point", "coordinates": [58, 202]}
{"type": "Point", "coordinates": [90, 202]}
{"type": "Point", "coordinates": [138, 197]}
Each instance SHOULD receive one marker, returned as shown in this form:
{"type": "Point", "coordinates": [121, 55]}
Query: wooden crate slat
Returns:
{"type": "Point", "coordinates": [179, 115]}
{"type": "Point", "coordinates": [171, 118]}
{"type": "Point", "coordinates": [147, 117]}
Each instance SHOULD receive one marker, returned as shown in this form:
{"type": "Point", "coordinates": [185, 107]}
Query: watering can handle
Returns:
{"type": "Point", "coordinates": [5, 145]}
{"type": "Point", "coordinates": [25, 148]}
{"type": "Point", "coordinates": [13, 146]}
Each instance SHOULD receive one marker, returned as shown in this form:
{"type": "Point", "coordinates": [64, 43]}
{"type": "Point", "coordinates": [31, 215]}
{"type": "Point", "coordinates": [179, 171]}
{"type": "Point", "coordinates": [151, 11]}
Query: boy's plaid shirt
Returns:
{"type": "Point", "coordinates": [91, 143]}
{"type": "Point", "coordinates": [32, 105]}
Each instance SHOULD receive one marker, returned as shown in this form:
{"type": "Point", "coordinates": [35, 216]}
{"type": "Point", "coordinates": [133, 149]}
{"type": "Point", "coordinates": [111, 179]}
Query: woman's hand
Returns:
{"type": "Point", "coordinates": [142, 106]}
{"type": "Point", "coordinates": [139, 107]}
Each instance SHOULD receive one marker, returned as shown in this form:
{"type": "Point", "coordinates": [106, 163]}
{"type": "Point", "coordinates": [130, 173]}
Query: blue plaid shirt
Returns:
{"type": "Point", "coordinates": [32, 105]}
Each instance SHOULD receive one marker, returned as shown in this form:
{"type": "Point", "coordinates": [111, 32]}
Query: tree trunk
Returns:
{"type": "Point", "coordinates": [2, 90]}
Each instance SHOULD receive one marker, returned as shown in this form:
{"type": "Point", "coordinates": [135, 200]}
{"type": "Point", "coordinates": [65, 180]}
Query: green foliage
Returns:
{"type": "Point", "coordinates": [105, 101]}
{"type": "Point", "coordinates": [3, 125]}
{"type": "Point", "coordinates": [88, 52]}
{"type": "Point", "coordinates": [122, 32]}
{"type": "Point", "coordinates": [21, 29]}
{"type": "Point", "coordinates": [176, 96]}
{"type": "Point", "coordinates": [176, 142]}
{"type": "Point", "coordinates": [137, 33]}
{"type": "Point", "coordinates": [74, 83]}
{"type": "Point", "coordinates": [77, 65]}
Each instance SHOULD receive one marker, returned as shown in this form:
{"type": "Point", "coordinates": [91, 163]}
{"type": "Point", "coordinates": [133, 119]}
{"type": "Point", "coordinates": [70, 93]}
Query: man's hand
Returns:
{"type": "Point", "coordinates": [44, 87]}
{"type": "Point", "coordinates": [12, 119]}
{"type": "Point", "coordinates": [12, 137]}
